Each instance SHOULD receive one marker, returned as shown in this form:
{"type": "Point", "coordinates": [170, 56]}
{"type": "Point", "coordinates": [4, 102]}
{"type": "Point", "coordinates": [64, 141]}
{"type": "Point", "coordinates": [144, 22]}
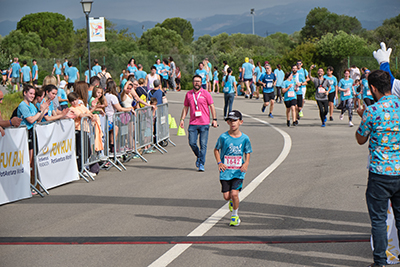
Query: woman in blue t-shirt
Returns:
{"type": "Point", "coordinates": [347, 92]}
{"type": "Point", "coordinates": [216, 80]}
{"type": "Point", "coordinates": [57, 70]}
{"type": "Point", "coordinates": [230, 91]}
{"type": "Point", "coordinates": [290, 98]}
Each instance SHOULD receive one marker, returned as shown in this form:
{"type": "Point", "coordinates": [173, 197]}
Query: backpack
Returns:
{"type": "Point", "coordinates": [103, 80]}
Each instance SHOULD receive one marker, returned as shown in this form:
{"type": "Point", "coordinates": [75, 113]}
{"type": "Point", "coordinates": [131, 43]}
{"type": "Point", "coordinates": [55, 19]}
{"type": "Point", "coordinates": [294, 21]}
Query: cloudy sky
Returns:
{"type": "Point", "coordinates": [153, 10]}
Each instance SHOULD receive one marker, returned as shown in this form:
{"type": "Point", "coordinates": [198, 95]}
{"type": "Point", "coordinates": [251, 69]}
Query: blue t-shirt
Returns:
{"type": "Point", "coordinates": [289, 94]}
{"type": "Point", "coordinates": [25, 70]}
{"type": "Point", "coordinates": [333, 82]}
{"type": "Point", "coordinates": [49, 111]}
{"type": "Point", "coordinates": [259, 72]}
{"type": "Point", "coordinates": [140, 74]}
{"type": "Point", "coordinates": [159, 68]}
{"type": "Point", "coordinates": [24, 111]}
{"type": "Point", "coordinates": [72, 74]}
{"type": "Point", "coordinates": [57, 69]}
{"type": "Point", "coordinates": [268, 79]}
{"type": "Point", "coordinates": [96, 69]}
{"type": "Point", "coordinates": [248, 70]}
{"type": "Point", "coordinates": [228, 85]}
{"type": "Point", "coordinates": [65, 66]}
{"type": "Point", "coordinates": [346, 84]}
{"type": "Point", "coordinates": [35, 69]}
{"type": "Point", "coordinates": [232, 152]}
{"type": "Point", "coordinates": [165, 73]}
{"type": "Point", "coordinates": [158, 94]}
{"type": "Point", "coordinates": [87, 75]}
{"type": "Point", "coordinates": [61, 93]}
{"type": "Point", "coordinates": [381, 122]}
{"type": "Point", "coordinates": [297, 78]}
{"type": "Point", "coordinates": [366, 90]}
{"type": "Point", "coordinates": [280, 76]}
{"type": "Point", "coordinates": [15, 70]}
{"type": "Point", "coordinates": [203, 74]}
{"type": "Point", "coordinates": [216, 76]}
{"type": "Point", "coordinates": [123, 82]}
{"type": "Point", "coordinates": [302, 76]}
{"type": "Point", "coordinates": [132, 69]}
{"type": "Point", "coordinates": [210, 74]}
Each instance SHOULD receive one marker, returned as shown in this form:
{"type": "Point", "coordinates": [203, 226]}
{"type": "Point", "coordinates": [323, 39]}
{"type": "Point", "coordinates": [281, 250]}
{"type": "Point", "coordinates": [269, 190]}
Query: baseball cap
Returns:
{"type": "Point", "coordinates": [266, 62]}
{"type": "Point", "coordinates": [62, 84]}
{"type": "Point", "coordinates": [234, 115]}
{"type": "Point", "coordinates": [156, 83]}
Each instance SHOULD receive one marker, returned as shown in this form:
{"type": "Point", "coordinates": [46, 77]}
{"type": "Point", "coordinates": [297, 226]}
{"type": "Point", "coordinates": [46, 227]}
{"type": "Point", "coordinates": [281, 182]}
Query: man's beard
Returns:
{"type": "Point", "coordinates": [197, 87]}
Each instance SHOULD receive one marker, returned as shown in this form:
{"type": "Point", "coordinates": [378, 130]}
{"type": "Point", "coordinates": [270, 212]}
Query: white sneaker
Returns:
{"type": "Point", "coordinates": [91, 174]}
{"type": "Point", "coordinates": [351, 124]}
{"type": "Point", "coordinates": [341, 117]}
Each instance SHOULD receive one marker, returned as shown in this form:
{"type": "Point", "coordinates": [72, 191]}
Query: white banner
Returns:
{"type": "Point", "coordinates": [14, 166]}
{"type": "Point", "coordinates": [56, 159]}
{"type": "Point", "coordinates": [97, 29]}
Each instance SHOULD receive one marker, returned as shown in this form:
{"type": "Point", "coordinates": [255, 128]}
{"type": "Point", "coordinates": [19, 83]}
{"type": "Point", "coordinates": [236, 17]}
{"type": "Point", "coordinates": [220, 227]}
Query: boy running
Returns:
{"type": "Point", "coordinates": [234, 148]}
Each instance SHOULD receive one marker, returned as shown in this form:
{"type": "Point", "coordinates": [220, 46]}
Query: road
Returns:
{"type": "Point", "coordinates": [303, 204]}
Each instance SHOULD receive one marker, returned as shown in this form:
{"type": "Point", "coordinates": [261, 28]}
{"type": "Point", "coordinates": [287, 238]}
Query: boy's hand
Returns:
{"type": "Point", "coordinates": [221, 167]}
{"type": "Point", "coordinates": [244, 167]}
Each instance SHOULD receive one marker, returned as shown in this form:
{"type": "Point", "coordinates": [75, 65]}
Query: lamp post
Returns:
{"type": "Point", "coordinates": [87, 7]}
{"type": "Point", "coordinates": [252, 13]}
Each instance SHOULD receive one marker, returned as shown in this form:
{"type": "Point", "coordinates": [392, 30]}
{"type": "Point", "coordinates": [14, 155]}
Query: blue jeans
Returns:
{"type": "Point", "coordinates": [380, 189]}
{"type": "Point", "coordinates": [228, 103]}
{"type": "Point", "coordinates": [194, 132]}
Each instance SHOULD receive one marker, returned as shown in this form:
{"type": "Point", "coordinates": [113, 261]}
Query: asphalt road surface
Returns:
{"type": "Point", "coordinates": [303, 204]}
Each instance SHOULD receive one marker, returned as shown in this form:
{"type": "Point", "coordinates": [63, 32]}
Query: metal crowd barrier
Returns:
{"type": "Point", "coordinates": [143, 129]}
{"type": "Point", "coordinates": [123, 136]}
{"type": "Point", "coordinates": [162, 128]}
{"type": "Point", "coordinates": [89, 155]}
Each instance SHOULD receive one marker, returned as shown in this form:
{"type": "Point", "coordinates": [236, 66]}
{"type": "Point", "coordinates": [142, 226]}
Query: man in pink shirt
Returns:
{"type": "Point", "coordinates": [200, 103]}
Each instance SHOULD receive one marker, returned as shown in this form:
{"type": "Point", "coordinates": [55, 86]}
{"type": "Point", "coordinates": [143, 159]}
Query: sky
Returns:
{"type": "Point", "coordinates": [154, 10]}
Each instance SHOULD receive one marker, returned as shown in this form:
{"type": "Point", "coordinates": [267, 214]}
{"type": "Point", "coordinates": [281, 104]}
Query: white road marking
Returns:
{"type": "Point", "coordinates": [203, 228]}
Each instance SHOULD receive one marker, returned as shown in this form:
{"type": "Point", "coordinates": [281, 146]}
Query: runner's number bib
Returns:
{"type": "Point", "coordinates": [347, 93]}
{"type": "Point", "coordinates": [290, 94]}
{"type": "Point", "coordinates": [321, 90]}
{"type": "Point", "coordinates": [233, 162]}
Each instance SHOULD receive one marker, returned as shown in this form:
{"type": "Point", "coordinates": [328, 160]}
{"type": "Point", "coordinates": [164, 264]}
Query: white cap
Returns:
{"type": "Point", "coordinates": [63, 84]}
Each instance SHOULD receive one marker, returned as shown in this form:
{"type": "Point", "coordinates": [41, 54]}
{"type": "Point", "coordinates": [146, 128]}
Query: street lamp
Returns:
{"type": "Point", "coordinates": [87, 7]}
{"type": "Point", "coordinates": [252, 13]}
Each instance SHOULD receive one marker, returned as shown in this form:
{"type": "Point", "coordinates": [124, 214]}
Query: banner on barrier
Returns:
{"type": "Point", "coordinates": [14, 166]}
{"type": "Point", "coordinates": [56, 159]}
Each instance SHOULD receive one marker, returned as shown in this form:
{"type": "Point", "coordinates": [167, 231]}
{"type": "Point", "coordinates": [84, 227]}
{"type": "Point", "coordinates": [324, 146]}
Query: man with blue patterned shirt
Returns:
{"type": "Point", "coordinates": [380, 124]}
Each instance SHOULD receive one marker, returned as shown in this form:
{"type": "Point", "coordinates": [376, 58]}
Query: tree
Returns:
{"type": "Point", "coordinates": [181, 26]}
{"type": "Point", "coordinates": [160, 40]}
{"type": "Point", "coordinates": [18, 44]}
{"type": "Point", "coordinates": [55, 31]}
{"type": "Point", "coordinates": [320, 21]}
{"type": "Point", "coordinates": [389, 33]}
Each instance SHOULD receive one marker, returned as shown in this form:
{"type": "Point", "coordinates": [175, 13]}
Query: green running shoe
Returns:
{"type": "Point", "coordinates": [235, 221]}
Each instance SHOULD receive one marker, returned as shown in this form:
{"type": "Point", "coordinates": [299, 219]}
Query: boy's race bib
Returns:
{"type": "Point", "coordinates": [290, 94]}
{"type": "Point", "coordinates": [347, 93]}
{"type": "Point", "coordinates": [233, 162]}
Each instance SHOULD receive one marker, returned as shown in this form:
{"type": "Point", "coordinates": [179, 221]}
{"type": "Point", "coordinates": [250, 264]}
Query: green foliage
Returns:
{"type": "Point", "coordinates": [320, 21]}
{"type": "Point", "coordinates": [160, 40]}
{"type": "Point", "coordinates": [19, 44]}
{"type": "Point", "coordinates": [10, 102]}
{"type": "Point", "coordinates": [55, 31]}
{"type": "Point", "coordinates": [181, 26]}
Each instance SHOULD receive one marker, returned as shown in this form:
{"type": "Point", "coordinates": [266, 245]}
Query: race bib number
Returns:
{"type": "Point", "coordinates": [369, 92]}
{"type": "Point", "coordinates": [233, 162]}
{"type": "Point", "coordinates": [321, 90]}
{"type": "Point", "coordinates": [290, 94]}
{"type": "Point", "coordinates": [347, 93]}
{"type": "Point", "coordinates": [197, 113]}
{"type": "Point", "coordinates": [269, 85]}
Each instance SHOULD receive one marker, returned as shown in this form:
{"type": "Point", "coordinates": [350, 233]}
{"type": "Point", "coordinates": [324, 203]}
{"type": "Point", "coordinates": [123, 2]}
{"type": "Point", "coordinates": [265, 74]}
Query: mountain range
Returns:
{"type": "Point", "coordinates": [283, 18]}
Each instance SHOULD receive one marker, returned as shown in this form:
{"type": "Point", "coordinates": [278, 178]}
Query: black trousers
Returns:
{"type": "Point", "coordinates": [323, 108]}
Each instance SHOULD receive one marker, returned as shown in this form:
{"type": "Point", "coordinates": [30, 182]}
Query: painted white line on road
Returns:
{"type": "Point", "coordinates": [203, 228]}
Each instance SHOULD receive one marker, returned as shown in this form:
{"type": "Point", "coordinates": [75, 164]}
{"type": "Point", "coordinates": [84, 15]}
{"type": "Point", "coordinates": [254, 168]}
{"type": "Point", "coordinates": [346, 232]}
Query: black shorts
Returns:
{"type": "Point", "coordinates": [178, 80]}
{"type": "Point", "coordinates": [35, 82]}
{"type": "Point", "coordinates": [248, 80]}
{"type": "Point", "coordinates": [69, 85]}
{"type": "Point", "coordinates": [331, 96]}
{"type": "Point", "coordinates": [268, 97]}
{"type": "Point", "coordinates": [300, 101]}
{"type": "Point", "coordinates": [204, 86]}
{"type": "Point", "coordinates": [164, 83]}
{"type": "Point", "coordinates": [290, 103]}
{"type": "Point", "coordinates": [258, 84]}
{"type": "Point", "coordinates": [229, 185]}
